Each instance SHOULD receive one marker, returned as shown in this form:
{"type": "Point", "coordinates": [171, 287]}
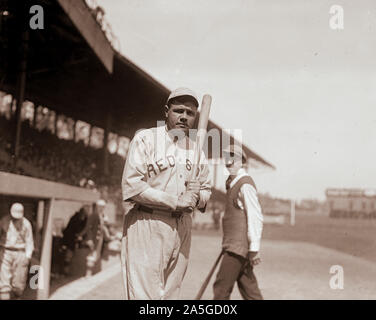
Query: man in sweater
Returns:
{"type": "Point", "coordinates": [242, 227]}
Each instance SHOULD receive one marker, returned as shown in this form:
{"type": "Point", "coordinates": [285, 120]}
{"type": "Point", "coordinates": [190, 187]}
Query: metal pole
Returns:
{"type": "Point", "coordinates": [90, 134]}
{"type": "Point", "coordinates": [35, 116]}
{"type": "Point", "coordinates": [21, 84]}
{"type": "Point", "coordinates": [292, 212]}
{"type": "Point", "coordinates": [55, 123]}
{"type": "Point", "coordinates": [74, 130]}
{"type": "Point", "coordinates": [105, 143]}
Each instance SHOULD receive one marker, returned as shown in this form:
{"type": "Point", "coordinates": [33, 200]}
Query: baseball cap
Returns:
{"type": "Point", "coordinates": [17, 210]}
{"type": "Point", "coordinates": [182, 91]}
{"type": "Point", "coordinates": [236, 150]}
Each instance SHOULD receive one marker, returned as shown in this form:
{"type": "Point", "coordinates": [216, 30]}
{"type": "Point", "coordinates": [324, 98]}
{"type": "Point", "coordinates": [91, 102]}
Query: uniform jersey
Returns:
{"type": "Point", "coordinates": [14, 237]}
{"type": "Point", "coordinates": [161, 165]}
{"type": "Point", "coordinates": [16, 248]}
{"type": "Point", "coordinates": [155, 248]}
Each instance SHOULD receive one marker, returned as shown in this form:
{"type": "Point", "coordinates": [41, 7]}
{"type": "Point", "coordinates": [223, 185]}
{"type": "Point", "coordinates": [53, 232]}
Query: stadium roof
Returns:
{"type": "Point", "coordinates": [73, 69]}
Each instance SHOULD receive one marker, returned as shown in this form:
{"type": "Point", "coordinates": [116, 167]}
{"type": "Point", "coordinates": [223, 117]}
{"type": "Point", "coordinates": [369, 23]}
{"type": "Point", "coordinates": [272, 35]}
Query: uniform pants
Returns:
{"type": "Point", "coordinates": [154, 255]}
{"type": "Point", "coordinates": [235, 268]}
{"type": "Point", "coordinates": [13, 271]}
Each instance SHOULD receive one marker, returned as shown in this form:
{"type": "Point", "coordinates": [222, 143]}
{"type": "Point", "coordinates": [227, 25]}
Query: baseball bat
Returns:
{"type": "Point", "coordinates": [201, 132]}
{"type": "Point", "coordinates": [206, 282]}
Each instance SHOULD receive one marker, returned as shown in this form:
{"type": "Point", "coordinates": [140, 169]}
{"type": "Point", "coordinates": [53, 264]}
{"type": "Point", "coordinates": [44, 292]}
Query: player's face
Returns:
{"type": "Point", "coordinates": [233, 163]}
{"type": "Point", "coordinates": [181, 115]}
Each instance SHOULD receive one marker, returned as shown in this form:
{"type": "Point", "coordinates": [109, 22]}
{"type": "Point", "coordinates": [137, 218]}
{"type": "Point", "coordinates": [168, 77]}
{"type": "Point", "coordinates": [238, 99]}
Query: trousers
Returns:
{"type": "Point", "coordinates": [154, 255]}
{"type": "Point", "coordinates": [13, 271]}
{"type": "Point", "coordinates": [235, 268]}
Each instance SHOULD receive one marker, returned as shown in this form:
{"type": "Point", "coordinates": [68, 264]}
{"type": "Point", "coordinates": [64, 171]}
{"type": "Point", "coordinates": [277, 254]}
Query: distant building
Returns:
{"type": "Point", "coordinates": [351, 203]}
{"type": "Point", "coordinates": [274, 206]}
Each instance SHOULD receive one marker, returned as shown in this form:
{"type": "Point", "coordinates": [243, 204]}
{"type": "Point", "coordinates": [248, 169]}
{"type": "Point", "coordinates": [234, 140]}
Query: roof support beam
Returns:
{"type": "Point", "coordinates": [84, 21]}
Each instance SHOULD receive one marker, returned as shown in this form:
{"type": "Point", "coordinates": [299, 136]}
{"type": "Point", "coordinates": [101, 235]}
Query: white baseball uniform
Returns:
{"type": "Point", "coordinates": [155, 246]}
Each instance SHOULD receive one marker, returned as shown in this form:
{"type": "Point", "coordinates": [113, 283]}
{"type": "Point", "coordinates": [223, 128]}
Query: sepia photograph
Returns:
{"type": "Point", "coordinates": [187, 150]}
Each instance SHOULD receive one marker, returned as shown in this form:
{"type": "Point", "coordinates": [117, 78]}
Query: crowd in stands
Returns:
{"type": "Point", "coordinates": [43, 155]}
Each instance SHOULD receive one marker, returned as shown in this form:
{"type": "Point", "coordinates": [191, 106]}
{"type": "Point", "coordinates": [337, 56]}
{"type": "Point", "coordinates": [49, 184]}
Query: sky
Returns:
{"type": "Point", "coordinates": [303, 94]}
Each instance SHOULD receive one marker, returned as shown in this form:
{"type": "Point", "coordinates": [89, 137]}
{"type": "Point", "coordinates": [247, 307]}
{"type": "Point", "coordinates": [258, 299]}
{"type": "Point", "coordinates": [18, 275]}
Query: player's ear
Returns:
{"type": "Point", "coordinates": [166, 108]}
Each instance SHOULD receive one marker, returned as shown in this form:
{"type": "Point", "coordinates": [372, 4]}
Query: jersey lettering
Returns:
{"type": "Point", "coordinates": [171, 161]}
{"type": "Point", "coordinates": [160, 165]}
{"type": "Point", "coordinates": [151, 169]}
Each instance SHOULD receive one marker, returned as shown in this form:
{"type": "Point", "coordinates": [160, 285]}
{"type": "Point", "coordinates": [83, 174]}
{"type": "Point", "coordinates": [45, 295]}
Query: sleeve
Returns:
{"type": "Point", "coordinates": [134, 184]}
{"type": "Point", "coordinates": [248, 196]}
{"type": "Point", "coordinates": [29, 246]}
{"type": "Point", "coordinates": [205, 190]}
{"type": "Point", "coordinates": [155, 197]}
{"type": "Point", "coordinates": [134, 173]}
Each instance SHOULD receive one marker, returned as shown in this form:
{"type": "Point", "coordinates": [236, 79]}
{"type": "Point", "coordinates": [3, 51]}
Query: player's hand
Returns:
{"type": "Point", "coordinates": [254, 258]}
{"type": "Point", "coordinates": [187, 201]}
{"type": "Point", "coordinates": [194, 186]}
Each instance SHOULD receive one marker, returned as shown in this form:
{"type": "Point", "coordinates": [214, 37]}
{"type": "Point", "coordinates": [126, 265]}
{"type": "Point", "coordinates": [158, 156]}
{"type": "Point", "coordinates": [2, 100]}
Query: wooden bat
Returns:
{"type": "Point", "coordinates": [206, 282]}
{"type": "Point", "coordinates": [201, 132]}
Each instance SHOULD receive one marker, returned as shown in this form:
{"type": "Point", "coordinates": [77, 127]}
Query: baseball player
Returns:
{"type": "Point", "coordinates": [242, 227]}
{"type": "Point", "coordinates": [156, 178]}
{"type": "Point", "coordinates": [16, 249]}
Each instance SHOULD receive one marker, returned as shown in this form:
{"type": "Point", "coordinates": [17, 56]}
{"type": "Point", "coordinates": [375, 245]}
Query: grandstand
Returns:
{"type": "Point", "coordinates": [69, 103]}
{"type": "Point", "coordinates": [351, 203]}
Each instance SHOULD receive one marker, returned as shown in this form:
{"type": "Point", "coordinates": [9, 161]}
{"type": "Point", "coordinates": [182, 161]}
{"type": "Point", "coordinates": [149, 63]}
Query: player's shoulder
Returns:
{"type": "Point", "coordinates": [247, 182]}
{"type": "Point", "coordinates": [146, 134]}
{"type": "Point", "coordinates": [26, 222]}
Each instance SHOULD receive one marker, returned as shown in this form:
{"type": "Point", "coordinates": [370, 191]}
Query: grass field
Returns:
{"type": "Point", "coordinates": [351, 236]}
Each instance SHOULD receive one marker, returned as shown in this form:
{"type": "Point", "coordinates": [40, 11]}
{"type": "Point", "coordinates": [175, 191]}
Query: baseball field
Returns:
{"type": "Point", "coordinates": [296, 261]}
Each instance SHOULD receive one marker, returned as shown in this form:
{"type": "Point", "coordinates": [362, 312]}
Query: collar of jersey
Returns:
{"type": "Point", "coordinates": [181, 141]}
{"type": "Point", "coordinates": [241, 173]}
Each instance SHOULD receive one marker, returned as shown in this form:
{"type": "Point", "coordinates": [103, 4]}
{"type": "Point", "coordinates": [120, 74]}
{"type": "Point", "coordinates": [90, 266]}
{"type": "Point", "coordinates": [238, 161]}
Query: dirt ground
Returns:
{"type": "Point", "coordinates": [289, 270]}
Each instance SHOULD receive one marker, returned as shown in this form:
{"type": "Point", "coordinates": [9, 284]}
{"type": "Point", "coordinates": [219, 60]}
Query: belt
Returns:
{"type": "Point", "coordinates": [174, 214]}
{"type": "Point", "coordinates": [12, 249]}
